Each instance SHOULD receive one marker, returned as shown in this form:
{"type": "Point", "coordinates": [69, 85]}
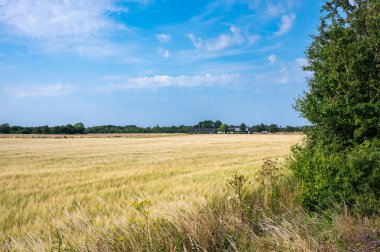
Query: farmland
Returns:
{"type": "Point", "coordinates": [44, 178]}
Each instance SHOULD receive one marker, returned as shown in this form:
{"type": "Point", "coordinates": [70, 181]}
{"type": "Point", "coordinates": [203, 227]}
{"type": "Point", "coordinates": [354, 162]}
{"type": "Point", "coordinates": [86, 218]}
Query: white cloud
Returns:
{"type": "Point", "coordinates": [163, 38]}
{"type": "Point", "coordinates": [286, 24]}
{"type": "Point", "coordinates": [46, 90]}
{"type": "Point", "coordinates": [224, 41]}
{"type": "Point", "coordinates": [272, 58]}
{"type": "Point", "coordinates": [38, 19]}
{"type": "Point", "coordinates": [163, 52]}
{"type": "Point", "coordinates": [143, 2]}
{"type": "Point", "coordinates": [292, 72]}
{"type": "Point", "coordinates": [76, 26]}
{"type": "Point", "coordinates": [252, 39]}
{"type": "Point", "coordinates": [279, 7]}
{"type": "Point", "coordinates": [301, 62]}
{"type": "Point", "coordinates": [159, 81]}
{"type": "Point", "coordinates": [288, 73]}
{"type": "Point", "coordinates": [197, 42]}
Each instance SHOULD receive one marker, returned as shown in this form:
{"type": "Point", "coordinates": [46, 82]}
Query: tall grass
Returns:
{"type": "Point", "coordinates": [244, 218]}
{"type": "Point", "coordinates": [40, 178]}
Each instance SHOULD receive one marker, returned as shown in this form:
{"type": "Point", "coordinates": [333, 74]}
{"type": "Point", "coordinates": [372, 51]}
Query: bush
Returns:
{"type": "Point", "coordinates": [352, 176]}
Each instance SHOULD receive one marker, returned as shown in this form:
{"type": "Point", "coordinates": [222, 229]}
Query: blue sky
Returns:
{"type": "Point", "coordinates": [148, 62]}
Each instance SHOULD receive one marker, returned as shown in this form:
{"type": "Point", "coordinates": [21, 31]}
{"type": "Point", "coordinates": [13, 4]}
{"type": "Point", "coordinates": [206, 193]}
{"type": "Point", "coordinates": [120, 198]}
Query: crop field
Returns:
{"type": "Point", "coordinates": [46, 181]}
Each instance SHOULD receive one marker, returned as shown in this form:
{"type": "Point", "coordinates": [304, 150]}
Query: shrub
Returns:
{"type": "Point", "coordinates": [352, 176]}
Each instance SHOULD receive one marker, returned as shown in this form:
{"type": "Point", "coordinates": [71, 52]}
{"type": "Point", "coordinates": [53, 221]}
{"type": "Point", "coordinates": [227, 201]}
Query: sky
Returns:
{"type": "Point", "coordinates": [149, 62]}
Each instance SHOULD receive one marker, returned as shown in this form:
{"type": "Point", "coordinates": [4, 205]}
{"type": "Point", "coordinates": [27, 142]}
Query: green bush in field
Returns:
{"type": "Point", "coordinates": [352, 176]}
{"type": "Point", "coordinates": [340, 158]}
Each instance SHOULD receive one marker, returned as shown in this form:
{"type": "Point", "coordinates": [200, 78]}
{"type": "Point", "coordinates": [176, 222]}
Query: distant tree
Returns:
{"type": "Point", "coordinates": [79, 128]}
{"type": "Point", "coordinates": [45, 130]}
{"type": "Point", "coordinates": [254, 128]}
{"type": "Point", "coordinates": [224, 128]}
{"type": "Point", "coordinates": [206, 124]}
{"type": "Point", "coordinates": [68, 129]}
{"type": "Point", "coordinates": [16, 130]}
{"type": "Point", "coordinates": [243, 127]}
{"type": "Point", "coordinates": [273, 128]}
{"type": "Point", "coordinates": [156, 129]}
{"type": "Point", "coordinates": [262, 127]}
{"type": "Point", "coordinates": [217, 124]}
{"type": "Point", "coordinates": [5, 128]}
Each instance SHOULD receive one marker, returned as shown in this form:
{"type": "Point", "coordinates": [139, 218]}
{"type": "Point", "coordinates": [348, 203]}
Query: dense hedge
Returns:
{"type": "Point", "coordinates": [340, 159]}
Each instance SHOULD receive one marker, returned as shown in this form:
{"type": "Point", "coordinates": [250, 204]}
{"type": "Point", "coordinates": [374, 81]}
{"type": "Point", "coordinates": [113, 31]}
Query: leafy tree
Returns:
{"type": "Point", "coordinates": [341, 157]}
{"type": "Point", "coordinates": [206, 124]}
{"type": "Point", "coordinates": [217, 124]}
{"type": "Point", "coordinates": [5, 128]}
{"type": "Point", "coordinates": [243, 127]}
{"type": "Point", "coordinates": [79, 128]}
{"type": "Point", "coordinates": [273, 128]}
{"type": "Point", "coordinates": [224, 128]}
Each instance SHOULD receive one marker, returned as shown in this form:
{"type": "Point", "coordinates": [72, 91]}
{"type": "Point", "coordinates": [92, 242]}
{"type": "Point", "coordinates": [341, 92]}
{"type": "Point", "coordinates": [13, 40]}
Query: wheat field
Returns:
{"type": "Point", "coordinates": [44, 179]}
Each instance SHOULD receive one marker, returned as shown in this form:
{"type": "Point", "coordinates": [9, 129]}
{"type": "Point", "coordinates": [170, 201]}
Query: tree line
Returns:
{"type": "Point", "coordinates": [79, 128]}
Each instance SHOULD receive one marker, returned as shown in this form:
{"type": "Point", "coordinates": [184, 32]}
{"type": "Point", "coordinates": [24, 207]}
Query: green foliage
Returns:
{"type": "Point", "coordinates": [205, 124]}
{"type": "Point", "coordinates": [243, 127]}
{"type": "Point", "coordinates": [223, 128]}
{"type": "Point", "coordinates": [237, 183]}
{"type": "Point", "coordinates": [5, 128]}
{"type": "Point", "coordinates": [79, 128]}
{"type": "Point", "coordinates": [340, 158]}
{"type": "Point", "coordinates": [217, 124]}
{"type": "Point", "coordinates": [352, 176]}
{"type": "Point", "coordinates": [273, 128]}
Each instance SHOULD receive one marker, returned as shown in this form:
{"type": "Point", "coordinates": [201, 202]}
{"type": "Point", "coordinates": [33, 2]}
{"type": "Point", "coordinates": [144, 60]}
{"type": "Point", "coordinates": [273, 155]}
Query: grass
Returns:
{"type": "Point", "coordinates": [42, 177]}
{"type": "Point", "coordinates": [169, 193]}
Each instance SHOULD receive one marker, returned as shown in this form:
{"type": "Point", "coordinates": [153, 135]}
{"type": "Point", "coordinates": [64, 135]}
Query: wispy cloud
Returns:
{"type": "Point", "coordinates": [286, 24]}
{"type": "Point", "coordinates": [160, 81]}
{"type": "Point", "coordinates": [292, 73]}
{"type": "Point", "coordinates": [272, 58]}
{"type": "Point", "coordinates": [223, 41]}
{"type": "Point", "coordinates": [58, 19]}
{"type": "Point", "coordinates": [40, 91]}
{"type": "Point", "coordinates": [301, 62]}
{"type": "Point", "coordinates": [77, 26]}
{"type": "Point", "coordinates": [163, 38]}
{"type": "Point", "coordinates": [163, 52]}
{"type": "Point", "coordinates": [197, 42]}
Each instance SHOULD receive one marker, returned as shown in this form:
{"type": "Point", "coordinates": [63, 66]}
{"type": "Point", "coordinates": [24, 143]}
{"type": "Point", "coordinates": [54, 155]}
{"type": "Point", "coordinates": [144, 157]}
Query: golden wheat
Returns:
{"type": "Point", "coordinates": [44, 179]}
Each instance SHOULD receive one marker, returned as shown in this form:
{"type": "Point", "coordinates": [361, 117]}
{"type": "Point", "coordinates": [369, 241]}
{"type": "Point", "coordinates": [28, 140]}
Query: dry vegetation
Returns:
{"type": "Point", "coordinates": [163, 193]}
{"type": "Point", "coordinates": [41, 177]}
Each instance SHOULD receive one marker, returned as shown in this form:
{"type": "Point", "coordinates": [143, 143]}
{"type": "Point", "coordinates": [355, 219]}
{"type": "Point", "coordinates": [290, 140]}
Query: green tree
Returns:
{"type": "Point", "coordinates": [79, 128]}
{"type": "Point", "coordinates": [205, 124]}
{"type": "Point", "coordinates": [217, 124]}
{"type": "Point", "coordinates": [223, 128]}
{"type": "Point", "coordinates": [5, 128]}
{"type": "Point", "coordinates": [273, 128]}
{"type": "Point", "coordinates": [341, 156]}
{"type": "Point", "coordinates": [243, 127]}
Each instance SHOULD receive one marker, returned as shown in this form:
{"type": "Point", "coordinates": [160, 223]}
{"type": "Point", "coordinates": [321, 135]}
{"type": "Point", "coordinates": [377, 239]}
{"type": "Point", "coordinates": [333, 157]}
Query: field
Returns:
{"type": "Point", "coordinates": [44, 179]}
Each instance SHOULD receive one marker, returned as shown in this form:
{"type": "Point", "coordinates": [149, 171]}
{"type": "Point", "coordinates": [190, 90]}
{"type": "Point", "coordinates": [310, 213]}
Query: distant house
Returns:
{"type": "Point", "coordinates": [264, 132]}
{"type": "Point", "coordinates": [230, 130]}
{"type": "Point", "coordinates": [202, 130]}
{"type": "Point", "coordinates": [236, 129]}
